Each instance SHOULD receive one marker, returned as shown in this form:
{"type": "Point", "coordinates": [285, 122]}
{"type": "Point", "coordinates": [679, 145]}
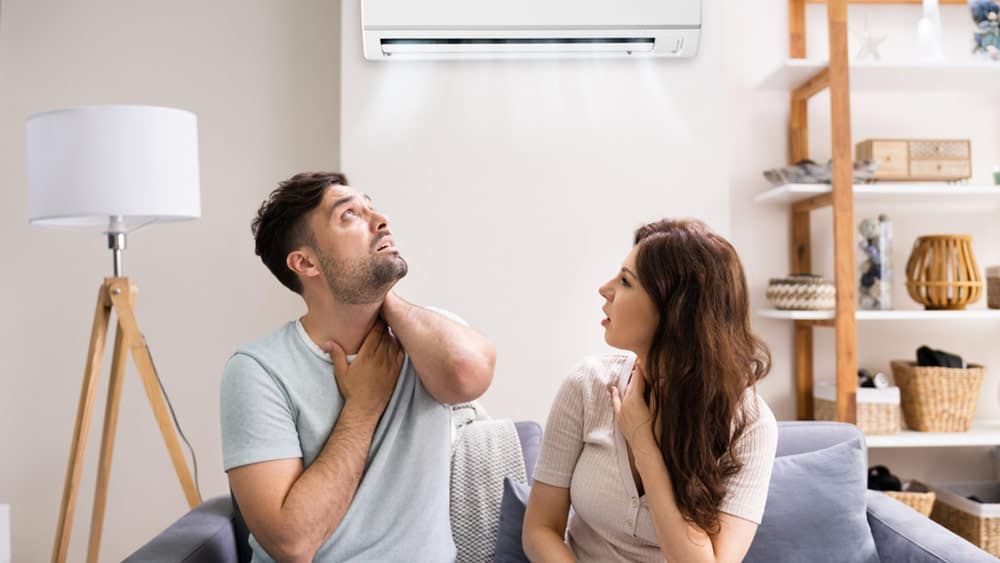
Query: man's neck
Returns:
{"type": "Point", "coordinates": [347, 325]}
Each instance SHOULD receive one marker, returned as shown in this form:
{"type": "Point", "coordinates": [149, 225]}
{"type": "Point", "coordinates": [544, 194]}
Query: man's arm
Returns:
{"type": "Point", "coordinates": [455, 363]}
{"type": "Point", "coordinates": [292, 512]}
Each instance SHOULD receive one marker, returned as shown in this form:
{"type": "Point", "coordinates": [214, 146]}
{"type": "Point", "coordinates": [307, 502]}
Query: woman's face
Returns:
{"type": "Point", "coordinates": [631, 316]}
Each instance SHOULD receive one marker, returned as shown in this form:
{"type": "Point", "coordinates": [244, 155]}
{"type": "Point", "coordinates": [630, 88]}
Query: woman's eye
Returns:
{"type": "Point", "coordinates": [624, 281]}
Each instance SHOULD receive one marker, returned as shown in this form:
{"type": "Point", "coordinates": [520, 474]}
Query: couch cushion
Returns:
{"type": "Point", "coordinates": [816, 508]}
{"type": "Point", "coordinates": [515, 498]}
{"type": "Point", "coordinates": [530, 435]}
{"type": "Point", "coordinates": [801, 436]}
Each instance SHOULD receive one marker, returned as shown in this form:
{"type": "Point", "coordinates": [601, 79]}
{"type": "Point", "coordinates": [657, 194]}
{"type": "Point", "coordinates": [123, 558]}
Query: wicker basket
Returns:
{"type": "Point", "coordinates": [937, 399]}
{"type": "Point", "coordinates": [977, 522]}
{"type": "Point", "coordinates": [918, 497]}
{"type": "Point", "coordinates": [802, 292]}
{"type": "Point", "coordinates": [877, 409]}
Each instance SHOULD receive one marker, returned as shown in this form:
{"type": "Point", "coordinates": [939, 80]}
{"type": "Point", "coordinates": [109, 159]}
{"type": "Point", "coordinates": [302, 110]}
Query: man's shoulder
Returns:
{"type": "Point", "coordinates": [277, 339]}
{"type": "Point", "coordinates": [258, 359]}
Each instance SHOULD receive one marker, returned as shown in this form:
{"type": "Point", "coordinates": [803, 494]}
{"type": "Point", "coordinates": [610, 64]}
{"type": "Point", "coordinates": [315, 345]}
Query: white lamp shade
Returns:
{"type": "Point", "coordinates": [91, 164]}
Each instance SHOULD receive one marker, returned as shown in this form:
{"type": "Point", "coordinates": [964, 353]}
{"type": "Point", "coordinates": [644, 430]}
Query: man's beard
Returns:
{"type": "Point", "coordinates": [362, 281]}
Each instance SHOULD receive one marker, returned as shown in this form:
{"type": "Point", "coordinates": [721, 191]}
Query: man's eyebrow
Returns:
{"type": "Point", "coordinates": [347, 199]}
{"type": "Point", "coordinates": [342, 201]}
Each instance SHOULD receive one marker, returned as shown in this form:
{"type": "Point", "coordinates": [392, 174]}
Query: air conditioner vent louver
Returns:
{"type": "Point", "coordinates": [486, 29]}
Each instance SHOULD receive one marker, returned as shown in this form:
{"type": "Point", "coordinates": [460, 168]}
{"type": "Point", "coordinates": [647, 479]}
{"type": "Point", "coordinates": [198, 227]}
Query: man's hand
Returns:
{"type": "Point", "coordinates": [292, 510]}
{"type": "Point", "coordinates": [367, 383]}
{"type": "Point", "coordinates": [453, 361]}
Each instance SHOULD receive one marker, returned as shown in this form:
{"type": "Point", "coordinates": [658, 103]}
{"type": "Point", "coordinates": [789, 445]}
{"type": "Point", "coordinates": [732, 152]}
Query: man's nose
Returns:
{"type": "Point", "coordinates": [380, 221]}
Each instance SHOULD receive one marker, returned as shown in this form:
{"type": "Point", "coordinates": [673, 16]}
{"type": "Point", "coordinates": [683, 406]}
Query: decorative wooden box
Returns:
{"type": "Point", "coordinates": [918, 159]}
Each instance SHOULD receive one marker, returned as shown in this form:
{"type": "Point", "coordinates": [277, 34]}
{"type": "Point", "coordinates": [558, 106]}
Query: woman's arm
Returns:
{"type": "Point", "coordinates": [679, 539]}
{"type": "Point", "coordinates": [545, 524]}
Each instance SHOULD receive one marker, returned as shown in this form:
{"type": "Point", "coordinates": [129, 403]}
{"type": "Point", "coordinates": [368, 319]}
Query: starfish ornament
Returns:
{"type": "Point", "coordinates": [870, 42]}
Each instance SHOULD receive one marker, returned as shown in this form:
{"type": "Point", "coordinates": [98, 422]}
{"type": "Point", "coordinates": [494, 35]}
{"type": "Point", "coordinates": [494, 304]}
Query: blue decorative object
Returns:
{"type": "Point", "coordinates": [875, 267]}
{"type": "Point", "coordinates": [986, 14]}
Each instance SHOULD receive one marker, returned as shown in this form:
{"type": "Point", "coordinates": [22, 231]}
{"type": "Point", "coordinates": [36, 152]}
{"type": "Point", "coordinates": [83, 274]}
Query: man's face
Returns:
{"type": "Point", "coordinates": [354, 247]}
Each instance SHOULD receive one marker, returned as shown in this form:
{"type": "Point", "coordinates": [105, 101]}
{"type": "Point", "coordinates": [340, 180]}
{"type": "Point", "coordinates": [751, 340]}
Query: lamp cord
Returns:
{"type": "Point", "coordinates": [170, 406]}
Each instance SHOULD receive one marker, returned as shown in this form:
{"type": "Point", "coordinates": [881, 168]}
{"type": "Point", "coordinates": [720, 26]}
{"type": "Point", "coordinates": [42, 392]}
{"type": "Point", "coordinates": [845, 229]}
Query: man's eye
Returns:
{"type": "Point", "coordinates": [349, 212]}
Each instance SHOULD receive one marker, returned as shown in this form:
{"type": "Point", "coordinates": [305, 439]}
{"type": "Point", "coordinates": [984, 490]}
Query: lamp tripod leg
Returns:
{"type": "Point", "coordinates": [118, 360]}
{"type": "Point", "coordinates": [81, 429]}
{"type": "Point", "coordinates": [121, 298]}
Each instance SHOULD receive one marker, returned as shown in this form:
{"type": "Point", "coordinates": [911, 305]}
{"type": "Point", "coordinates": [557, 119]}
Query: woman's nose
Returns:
{"type": "Point", "coordinates": [604, 291]}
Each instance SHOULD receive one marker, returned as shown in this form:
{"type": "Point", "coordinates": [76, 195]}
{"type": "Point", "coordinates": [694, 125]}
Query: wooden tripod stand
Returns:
{"type": "Point", "coordinates": [118, 294]}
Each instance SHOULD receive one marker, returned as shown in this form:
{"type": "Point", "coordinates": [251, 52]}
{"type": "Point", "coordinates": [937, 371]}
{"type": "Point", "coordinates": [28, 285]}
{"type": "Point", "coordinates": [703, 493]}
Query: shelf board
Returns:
{"type": "Point", "coordinates": [888, 192]}
{"type": "Point", "coordinates": [948, 76]}
{"type": "Point", "coordinates": [896, 315]}
{"type": "Point", "coordinates": [982, 433]}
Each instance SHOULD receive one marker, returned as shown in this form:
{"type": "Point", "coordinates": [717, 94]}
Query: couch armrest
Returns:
{"type": "Point", "coordinates": [203, 535]}
{"type": "Point", "coordinates": [903, 534]}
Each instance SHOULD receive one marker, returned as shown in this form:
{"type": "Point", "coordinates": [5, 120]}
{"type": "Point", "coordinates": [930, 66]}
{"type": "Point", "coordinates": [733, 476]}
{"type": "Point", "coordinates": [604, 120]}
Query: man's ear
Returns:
{"type": "Point", "coordinates": [303, 262]}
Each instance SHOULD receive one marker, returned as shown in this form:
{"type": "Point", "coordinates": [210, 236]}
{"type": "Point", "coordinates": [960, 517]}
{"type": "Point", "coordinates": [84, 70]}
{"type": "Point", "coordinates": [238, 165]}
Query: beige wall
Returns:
{"type": "Point", "coordinates": [515, 186]}
{"type": "Point", "coordinates": [262, 77]}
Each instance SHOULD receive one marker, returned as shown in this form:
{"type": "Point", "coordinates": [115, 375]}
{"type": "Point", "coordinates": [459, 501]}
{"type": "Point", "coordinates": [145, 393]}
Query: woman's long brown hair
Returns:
{"type": "Point", "coordinates": [702, 359]}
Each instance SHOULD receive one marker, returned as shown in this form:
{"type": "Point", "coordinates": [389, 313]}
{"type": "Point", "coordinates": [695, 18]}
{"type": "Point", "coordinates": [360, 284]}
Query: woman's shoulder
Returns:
{"type": "Point", "coordinates": [602, 369]}
{"type": "Point", "coordinates": [596, 372]}
{"type": "Point", "coordinates": [759, 418]}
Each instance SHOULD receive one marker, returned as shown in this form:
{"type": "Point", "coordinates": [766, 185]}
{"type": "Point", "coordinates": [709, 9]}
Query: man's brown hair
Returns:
{"type": "Point", "coordinates": [280, 224]}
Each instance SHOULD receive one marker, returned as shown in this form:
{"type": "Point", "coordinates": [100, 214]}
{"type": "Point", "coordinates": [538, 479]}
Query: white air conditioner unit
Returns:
{"type": "Point", "coordinates": [492, 29]}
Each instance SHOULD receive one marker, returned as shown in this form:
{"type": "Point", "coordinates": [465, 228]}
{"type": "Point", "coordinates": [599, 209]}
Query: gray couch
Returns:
{"type": "Point", "coordinates": [215, 532]}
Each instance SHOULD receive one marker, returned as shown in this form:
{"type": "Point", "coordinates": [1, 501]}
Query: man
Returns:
{"type": "Point", "coordinates": [336, 427]}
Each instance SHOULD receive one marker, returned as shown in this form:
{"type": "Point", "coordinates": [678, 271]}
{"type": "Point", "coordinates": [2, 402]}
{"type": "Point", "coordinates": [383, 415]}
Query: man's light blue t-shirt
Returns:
{"type": "Point", "coordinates": [279, 399]}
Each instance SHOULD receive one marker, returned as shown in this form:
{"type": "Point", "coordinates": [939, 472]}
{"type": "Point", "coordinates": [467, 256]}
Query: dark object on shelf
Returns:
{"type": "Point", "coordinates": [928, 357]}
{"type": "Point", "coordinates": [880, 479]}
{"type": "Point", "coordinates": [877, 380]}
{"type": "Point", "coordinates": [974, 498]}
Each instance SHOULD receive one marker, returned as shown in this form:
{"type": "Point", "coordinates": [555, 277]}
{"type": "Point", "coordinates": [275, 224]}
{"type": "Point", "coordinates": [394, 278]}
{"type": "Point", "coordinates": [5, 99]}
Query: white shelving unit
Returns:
{"type": "Point", "coordinates": [837, 78]}
{"type": "Point", "coordinates": [887, 76]}
{"type": "Point", "coordinates": [982, 433]}
{"type": "Point", "coordinates": [987, 197]}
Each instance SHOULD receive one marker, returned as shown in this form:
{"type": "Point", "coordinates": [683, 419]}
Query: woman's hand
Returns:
{"type": "Point", "coordinates": [632, 414]}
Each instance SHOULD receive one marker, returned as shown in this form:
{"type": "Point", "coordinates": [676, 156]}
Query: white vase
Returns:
{"type": "Point", "coordinates": [929, 32]}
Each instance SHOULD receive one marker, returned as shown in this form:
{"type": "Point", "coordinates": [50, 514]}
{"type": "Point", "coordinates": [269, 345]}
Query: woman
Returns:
{"type": "Point", "coordinates": [665, 453]}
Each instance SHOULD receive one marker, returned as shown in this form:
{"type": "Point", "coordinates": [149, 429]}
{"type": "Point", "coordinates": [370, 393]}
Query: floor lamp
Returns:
{"type": "Point", "coordinates": [113, 169]}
